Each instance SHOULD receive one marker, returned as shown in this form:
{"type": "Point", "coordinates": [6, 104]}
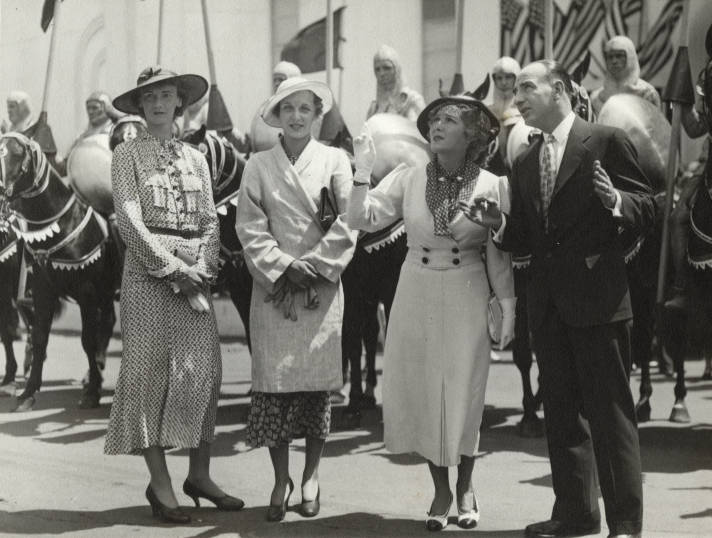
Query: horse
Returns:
{"type": "Point", "coordinates": [372, 275]}
{"type": "Point", "coordinates": [9, 281]}
{"type": "Point", "coordinates": [649, 131]}
{"type": "Point", "coordinates": [72, 256]}
{"type": "Point", "coordinates": [699, 250]}
{"type": "Point", "coordinates": [226, 167]}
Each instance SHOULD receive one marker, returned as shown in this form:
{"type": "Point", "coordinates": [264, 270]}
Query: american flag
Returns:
{"type": "Point", "coordinates": [574, 31]}
{"type": "Point", "coordinates": [578, 28]}
{"type": "Point", "coordinates": [509, 11]}
{"type": "Point", "coordinates": [657, 49]}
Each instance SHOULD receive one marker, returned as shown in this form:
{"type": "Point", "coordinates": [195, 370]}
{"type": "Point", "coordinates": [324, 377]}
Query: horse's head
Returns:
{"type": "Point", "coordinates": [704, 89]}
{"type": "Point", "coordinates": [127, 128]}
{"type": "Point", "coordinates": [581, 102]}
{"type": "Point", "coordinates": [23, 168]}
{"type": "Point", "coordinates": [224, 162]}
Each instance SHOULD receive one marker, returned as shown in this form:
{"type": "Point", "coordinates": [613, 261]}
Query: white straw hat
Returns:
{"type": "Point", "coordinates": [293, 85]}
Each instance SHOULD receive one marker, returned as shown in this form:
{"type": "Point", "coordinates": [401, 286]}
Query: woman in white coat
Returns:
{"type": "Point", "coordinates": [438, 350]}
{"type": "Point", "coordinates": [296, 243]}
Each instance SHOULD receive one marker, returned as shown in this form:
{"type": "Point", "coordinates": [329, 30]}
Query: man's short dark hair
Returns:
{"type": "Point", "coordinates": [556, 71]}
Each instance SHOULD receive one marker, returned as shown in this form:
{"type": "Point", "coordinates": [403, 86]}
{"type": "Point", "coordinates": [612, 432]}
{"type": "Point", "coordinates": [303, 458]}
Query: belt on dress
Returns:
{"type": "Point", "coordinates": [442, 258]}
{"type": "Point", "coordinates": [185, 234]}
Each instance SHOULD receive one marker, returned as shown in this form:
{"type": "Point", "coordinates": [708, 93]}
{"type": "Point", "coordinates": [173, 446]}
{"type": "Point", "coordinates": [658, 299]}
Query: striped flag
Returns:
{"type": "Point", "coordinates": [615, 21]}
{"type": "Point", "coordinates": [509, 11]}
{"type": "Point", "coordinates": [657, 49]}
{"type": "Point", "coordinates": [630, 7]}
{"type": "Point", "coordinates": [577, 31]}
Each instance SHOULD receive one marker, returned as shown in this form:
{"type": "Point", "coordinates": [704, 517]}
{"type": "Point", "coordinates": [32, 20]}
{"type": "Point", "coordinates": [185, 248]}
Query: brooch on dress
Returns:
{"type": "Point", "coordinates": [175, 187]}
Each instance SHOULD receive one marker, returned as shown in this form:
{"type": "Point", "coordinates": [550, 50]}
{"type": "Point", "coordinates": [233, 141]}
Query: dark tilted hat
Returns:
{"type": "Point", "coordinates": [487, 122]}
{"type": "Point", "coordinates": [192, 88]}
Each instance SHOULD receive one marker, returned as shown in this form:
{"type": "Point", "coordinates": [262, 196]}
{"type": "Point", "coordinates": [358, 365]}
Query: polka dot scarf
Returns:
{"type": "Point", "coordinates": [443, 191]}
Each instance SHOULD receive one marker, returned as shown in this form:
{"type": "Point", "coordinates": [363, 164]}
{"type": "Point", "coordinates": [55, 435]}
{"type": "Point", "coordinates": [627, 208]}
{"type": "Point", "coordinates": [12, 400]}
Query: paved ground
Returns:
{"type": "Point", "coordinates": [54, 478]}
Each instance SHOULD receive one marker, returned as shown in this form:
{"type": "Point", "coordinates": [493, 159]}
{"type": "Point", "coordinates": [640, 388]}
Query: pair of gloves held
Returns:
{"type": "Point", "coordinates": [364, 159]}
{"type": "Point", "coordinates": [299, 277]}
{"type": "Point", "coordinates": [191, 281]}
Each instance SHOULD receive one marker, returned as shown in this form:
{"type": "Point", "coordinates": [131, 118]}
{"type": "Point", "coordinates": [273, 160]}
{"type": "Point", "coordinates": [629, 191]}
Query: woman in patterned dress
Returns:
{"type": "Point", "coordinates": [437, 348]}
{"type": "Point", "coordinates": [167, 392]}
{"type": "Point", "coordinates": [296, 259]}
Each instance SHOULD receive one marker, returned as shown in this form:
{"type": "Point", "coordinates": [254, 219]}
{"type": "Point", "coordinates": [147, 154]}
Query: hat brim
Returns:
{"type": "Point", "coordinates": [422, 122]}
{"type": "Point", "coordinates": [319, 89]}
{"type": "Point", "coordinates": [193, 87]}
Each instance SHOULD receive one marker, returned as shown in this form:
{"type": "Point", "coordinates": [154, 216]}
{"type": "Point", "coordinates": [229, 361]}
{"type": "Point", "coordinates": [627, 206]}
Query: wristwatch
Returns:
{"type": "Point", "coordinates": [359, 183]}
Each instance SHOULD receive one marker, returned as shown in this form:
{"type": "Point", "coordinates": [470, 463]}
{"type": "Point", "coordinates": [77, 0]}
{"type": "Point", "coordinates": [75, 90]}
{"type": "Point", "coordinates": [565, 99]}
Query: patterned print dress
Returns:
{"type": "Point", "coordinates": [169, 381]}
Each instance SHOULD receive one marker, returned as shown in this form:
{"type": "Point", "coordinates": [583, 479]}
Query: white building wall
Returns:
{"type": "Point", "coordinates": [103, 44]}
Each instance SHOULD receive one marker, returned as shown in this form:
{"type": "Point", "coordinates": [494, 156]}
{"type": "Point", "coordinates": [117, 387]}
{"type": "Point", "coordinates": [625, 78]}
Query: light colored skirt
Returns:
{"type": "Point", "coordinates": [436, 361]}
{"type": "Point", "coordinates": [302, 355]}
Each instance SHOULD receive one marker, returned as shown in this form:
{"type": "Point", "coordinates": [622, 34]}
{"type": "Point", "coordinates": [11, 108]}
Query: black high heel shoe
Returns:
{"type": "Point", "coordinates": [227, 503]}
{"type": "Point", "coordinates": [160, 510]}
{"type": "Point", "coordinates": [276, 512]}
{"type": "Point", "coordinates": [311, 508]}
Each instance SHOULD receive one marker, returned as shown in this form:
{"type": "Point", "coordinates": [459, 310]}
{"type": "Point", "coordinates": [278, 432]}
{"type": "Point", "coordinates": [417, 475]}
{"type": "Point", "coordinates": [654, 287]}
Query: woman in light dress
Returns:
{"type": "Point", "coordinates": [290, 221]}
{"type": "Point", "coordinates": [437, 351]}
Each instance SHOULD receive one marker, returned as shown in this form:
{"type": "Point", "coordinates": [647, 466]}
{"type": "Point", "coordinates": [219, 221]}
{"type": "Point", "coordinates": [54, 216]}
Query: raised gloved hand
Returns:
{"type": "Point", "coordinates": [364, 155]}
{"type": "Point", "coordinates": [508, 317]}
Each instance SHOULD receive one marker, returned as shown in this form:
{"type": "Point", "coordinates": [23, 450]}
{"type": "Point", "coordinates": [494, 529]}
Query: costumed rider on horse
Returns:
{"type": "Point", "coordinates": [691, 219]}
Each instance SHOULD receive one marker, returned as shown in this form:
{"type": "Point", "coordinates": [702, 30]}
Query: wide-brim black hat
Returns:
{"type": "Point", "coordinates": [192, 88]}
{"type": "Point", "coordinates": [424, 116]}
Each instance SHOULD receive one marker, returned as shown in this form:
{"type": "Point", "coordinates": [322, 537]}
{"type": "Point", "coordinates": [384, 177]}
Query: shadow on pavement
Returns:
{"type": "Point", "coordinates": [208, 522]}
{"type": "Point", "coordinates": [671, 449]}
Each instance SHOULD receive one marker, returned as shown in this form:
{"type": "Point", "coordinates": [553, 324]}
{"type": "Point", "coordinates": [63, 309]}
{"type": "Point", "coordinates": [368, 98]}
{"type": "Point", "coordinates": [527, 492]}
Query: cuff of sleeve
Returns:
{"type": "Point", "coordinates": [280, 267]}
{"type": "Point", "coordinates": [616, 209]}
{"type": "Point", "coordinates": [498, 236]}
{"type": "Point", "coordinates": [362, 176]}
{"type": "Point", "coordinates": [327, 271]}
{"type": "Point", "coordinates": [166, 270]}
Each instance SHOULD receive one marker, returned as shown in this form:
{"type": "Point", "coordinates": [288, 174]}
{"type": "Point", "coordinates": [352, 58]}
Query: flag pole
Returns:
{"type": "Point", "coordinates": [459, 34]}
{"type": "Point", "coordinates": [43, 133]}
{"type": "Point", "coordinates": [329, 42]}
{"type": "Point", "coordinates": [549, 29]}
{"type": "Point", "coordinates": [218, 116]}
{"type": "Point", "coordinates": [206, 27]}
{"type": "Point", "coordinates": [677, 92]}
{"type": "Point", "coordinates": [160, 32]}
{"type": "Point", "coordinates": [50, 57]}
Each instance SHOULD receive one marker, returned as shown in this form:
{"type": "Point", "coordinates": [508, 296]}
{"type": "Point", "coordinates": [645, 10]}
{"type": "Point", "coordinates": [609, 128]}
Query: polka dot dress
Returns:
{"type": "Point", "coordinates": [169, 381]}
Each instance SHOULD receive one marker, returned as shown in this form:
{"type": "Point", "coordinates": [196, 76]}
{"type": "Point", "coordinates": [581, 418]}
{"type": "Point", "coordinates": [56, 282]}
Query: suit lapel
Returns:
{"type": "Point", "coordinates": [573, 153]}
{"type": "Point", "coordinates": [532, 179]}
{"type": "Point", "coordinates": [292, 179]}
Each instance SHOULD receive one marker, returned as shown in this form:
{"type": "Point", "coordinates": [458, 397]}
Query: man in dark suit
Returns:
{"type": "Point", "coordinates": [572, 194]}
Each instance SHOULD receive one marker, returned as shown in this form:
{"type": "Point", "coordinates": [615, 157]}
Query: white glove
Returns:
{"type": "Point", "coordinates": [364, 155]}
{"type": "Point", "coordinates": [508, 305]}
{"type": "Point", "coordinates": [198, 302]}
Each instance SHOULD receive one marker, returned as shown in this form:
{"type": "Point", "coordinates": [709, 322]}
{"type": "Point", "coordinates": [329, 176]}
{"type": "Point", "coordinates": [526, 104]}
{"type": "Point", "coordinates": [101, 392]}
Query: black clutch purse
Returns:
{"type": "Point", "coordinates": [328, 211]}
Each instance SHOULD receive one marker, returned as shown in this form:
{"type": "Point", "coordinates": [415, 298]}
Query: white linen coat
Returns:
{"type": "Point", "coordinates": [437, 355]}
{"type": "Point", "coordinates": [277, 222]}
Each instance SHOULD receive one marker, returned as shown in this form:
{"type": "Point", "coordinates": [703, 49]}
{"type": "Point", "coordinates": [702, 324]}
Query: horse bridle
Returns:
{"type": "Point", "coordinates": [218, 164]}
{"type": "Point", "coordinates": [42, 175]}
